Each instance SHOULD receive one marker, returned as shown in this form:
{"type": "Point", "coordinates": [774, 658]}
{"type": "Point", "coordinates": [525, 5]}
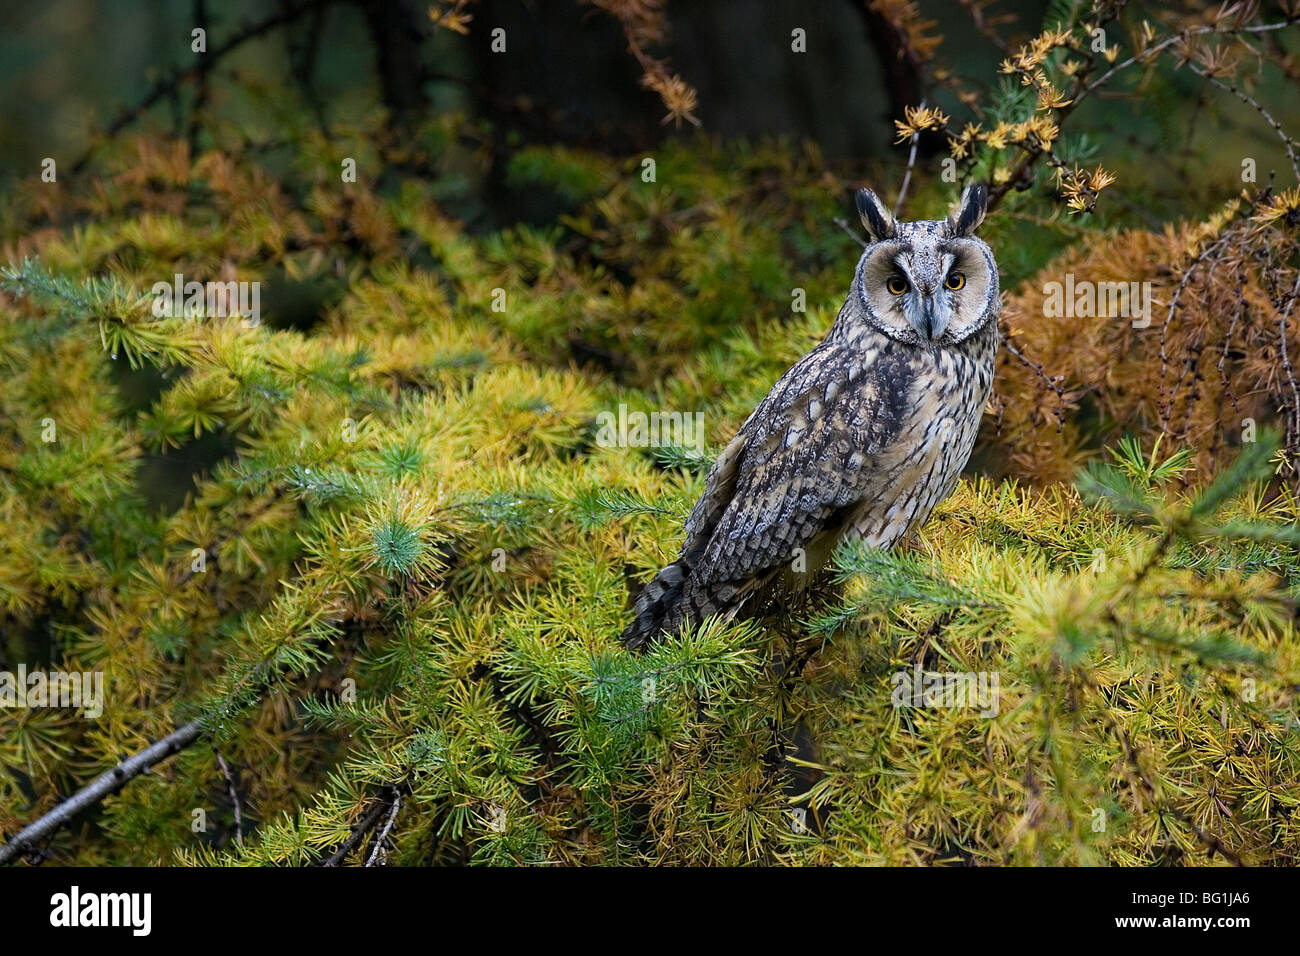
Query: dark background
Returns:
{"type": "Point", "coordinates": [69, 69]}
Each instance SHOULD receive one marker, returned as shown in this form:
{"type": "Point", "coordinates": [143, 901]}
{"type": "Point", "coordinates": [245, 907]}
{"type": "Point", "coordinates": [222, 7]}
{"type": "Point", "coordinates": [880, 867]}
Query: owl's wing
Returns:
{"type": "Point", "coordinates": [803, 456]}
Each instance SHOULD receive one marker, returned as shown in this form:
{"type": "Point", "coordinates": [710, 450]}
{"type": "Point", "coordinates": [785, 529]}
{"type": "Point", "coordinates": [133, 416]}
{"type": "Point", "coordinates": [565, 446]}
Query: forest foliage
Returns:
{"type": "Point", "coordinates": [391, 585]}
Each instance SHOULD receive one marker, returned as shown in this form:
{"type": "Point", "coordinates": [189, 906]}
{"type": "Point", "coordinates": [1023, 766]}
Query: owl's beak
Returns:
{"type": "Point", "coordinates": [931, 323]}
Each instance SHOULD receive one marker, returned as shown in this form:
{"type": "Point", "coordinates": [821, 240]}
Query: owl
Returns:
{"type": "Point", "coordinates": [861, 438]}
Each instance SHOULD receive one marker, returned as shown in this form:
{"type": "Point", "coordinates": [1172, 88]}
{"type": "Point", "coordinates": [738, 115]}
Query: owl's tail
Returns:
{"type": "Point", "coordinates": [657, 604]}
{"type": "Point", "coordinates": [675, 600]}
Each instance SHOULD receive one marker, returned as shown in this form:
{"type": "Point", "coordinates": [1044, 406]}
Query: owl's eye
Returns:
{"type": "Point", "coordinates": [896, 285]}
{"type": "Point", "coordinates": [955, 280]}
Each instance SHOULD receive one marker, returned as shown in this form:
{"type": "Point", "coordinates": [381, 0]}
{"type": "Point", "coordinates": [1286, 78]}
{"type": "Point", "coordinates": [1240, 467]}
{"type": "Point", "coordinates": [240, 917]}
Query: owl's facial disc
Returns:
{"type": "Point", "coordinates": [926, 289]}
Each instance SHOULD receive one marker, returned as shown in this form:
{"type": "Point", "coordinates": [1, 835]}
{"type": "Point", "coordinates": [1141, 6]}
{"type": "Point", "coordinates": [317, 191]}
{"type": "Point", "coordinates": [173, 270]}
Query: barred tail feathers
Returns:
{"type": "Point", "coordinates": [675, 600]}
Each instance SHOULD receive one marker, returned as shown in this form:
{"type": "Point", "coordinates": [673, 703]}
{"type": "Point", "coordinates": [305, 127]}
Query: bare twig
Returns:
{"type": "Point", "coordinates": [985, 25]}
{"type": "Point", "coordinates": [363, 827]}
{"type": "Point", "coordinates": [383, 834]}
{"type": "Point", "coordinates": [907, 176]}
{"type": "Point", "coordinates": [848, 229]}
{"type": "Point", "coordinates": [1150, 53]}
{"type": "Point", "coordinates": [234, 796]}
{"type": "Point", "coordinates": [1053, 384]}
{"type": "Point", "coordinates": [101, 787]}
{"type": "Point", "coordinates": [1249, 100]}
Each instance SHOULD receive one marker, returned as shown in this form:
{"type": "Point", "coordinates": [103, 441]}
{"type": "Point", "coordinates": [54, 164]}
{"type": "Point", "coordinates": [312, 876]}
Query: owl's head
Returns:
{"type": "Point", "coordinates": [927, 283]}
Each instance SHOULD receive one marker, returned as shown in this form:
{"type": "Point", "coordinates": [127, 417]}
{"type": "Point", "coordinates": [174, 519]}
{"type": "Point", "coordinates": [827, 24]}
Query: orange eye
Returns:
{"type": "Point", "coordinates": [955, 281]}
{"type": "Point", "coordinates": [896, 285]}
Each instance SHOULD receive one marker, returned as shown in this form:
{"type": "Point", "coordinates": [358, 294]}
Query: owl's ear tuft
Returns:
{"type": "Point", "coordinates": [970, 210]}
{"type": "Point", "coordinates": [878, 220]}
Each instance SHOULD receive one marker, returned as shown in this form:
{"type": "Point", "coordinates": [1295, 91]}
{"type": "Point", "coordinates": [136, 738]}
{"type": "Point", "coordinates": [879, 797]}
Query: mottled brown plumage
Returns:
{"type": "Point", "coordinates": [862, 437]}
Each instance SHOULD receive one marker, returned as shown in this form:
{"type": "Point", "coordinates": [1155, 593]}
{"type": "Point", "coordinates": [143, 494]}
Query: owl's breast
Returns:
{"type": "Point", "coordinates": [918, 468]}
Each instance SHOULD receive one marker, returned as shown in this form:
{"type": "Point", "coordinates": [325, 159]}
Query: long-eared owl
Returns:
{"type": "Point", "coordinates": [862, 437]}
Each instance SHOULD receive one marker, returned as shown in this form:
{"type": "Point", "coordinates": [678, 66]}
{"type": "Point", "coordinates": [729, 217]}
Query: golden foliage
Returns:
{"type": "Point", "coordinates": [1206, 366]}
